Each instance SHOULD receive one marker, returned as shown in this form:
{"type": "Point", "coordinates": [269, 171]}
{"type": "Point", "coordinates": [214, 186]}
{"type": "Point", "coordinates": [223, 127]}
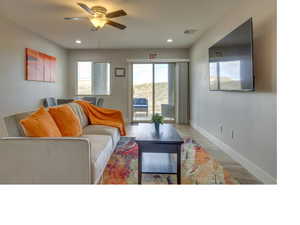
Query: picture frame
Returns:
{"type": "Point", "coordinates": [120, 72]}
{"type": "Point", "coordinates": [39, 66]}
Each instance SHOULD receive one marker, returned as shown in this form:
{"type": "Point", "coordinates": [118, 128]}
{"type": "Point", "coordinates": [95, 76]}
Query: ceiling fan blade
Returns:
{"type": "Point", "coordinates": [116, 14]}
{"type": "Point", "coordinates": [86, 8]}
{"type": "Point", "coordinates": [117, 25]}
{"type": "Point", "coordinates": [75, 18]}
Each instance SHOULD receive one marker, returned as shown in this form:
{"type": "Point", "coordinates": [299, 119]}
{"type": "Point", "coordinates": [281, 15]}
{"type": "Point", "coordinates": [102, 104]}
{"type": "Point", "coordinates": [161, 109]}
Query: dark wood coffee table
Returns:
{"type": "Point", "coordinates": [159, 144]}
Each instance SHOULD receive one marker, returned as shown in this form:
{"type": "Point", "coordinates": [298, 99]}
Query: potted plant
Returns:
{"type": "Point", "coordinates": [157, 120]}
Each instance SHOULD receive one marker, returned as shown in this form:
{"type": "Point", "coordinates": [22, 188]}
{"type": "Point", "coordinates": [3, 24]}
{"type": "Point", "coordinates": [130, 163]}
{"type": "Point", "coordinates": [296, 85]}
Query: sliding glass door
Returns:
{"type": "Point", "coordinates": [164, 90]}
{"type": "Point", "coordinates": [142, 107]}
{"type": "Point", "coordinates": [153, 91]}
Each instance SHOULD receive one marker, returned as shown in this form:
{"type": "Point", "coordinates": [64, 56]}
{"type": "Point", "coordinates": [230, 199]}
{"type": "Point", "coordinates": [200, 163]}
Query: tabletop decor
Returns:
{"type": "Point", "coordinates": [157, 120]}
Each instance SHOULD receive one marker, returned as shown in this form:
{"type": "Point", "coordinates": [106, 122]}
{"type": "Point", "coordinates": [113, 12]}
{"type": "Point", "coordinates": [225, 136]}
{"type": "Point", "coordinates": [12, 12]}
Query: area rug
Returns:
{"type": "Point", "coordinates": [198, 167]}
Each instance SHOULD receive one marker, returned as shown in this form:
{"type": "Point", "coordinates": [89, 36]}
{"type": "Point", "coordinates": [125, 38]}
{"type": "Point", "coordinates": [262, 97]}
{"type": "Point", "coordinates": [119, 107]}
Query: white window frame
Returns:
{"type": "Point", "coordinates": [93, 64]}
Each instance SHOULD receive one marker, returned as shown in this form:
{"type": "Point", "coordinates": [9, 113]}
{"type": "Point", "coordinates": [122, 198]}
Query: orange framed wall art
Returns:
{"type": "Point", "coordinates": [39, 66]}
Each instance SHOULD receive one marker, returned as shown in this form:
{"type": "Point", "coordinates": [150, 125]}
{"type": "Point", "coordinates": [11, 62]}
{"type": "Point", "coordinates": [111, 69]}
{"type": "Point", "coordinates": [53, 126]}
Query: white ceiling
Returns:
{"type": "Point", "coordinates": [149, 22]}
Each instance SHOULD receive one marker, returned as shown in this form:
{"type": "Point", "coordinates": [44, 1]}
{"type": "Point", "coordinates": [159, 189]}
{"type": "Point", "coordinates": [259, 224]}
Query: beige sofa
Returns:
{"type": "Point", "coordinates": [66, 160]}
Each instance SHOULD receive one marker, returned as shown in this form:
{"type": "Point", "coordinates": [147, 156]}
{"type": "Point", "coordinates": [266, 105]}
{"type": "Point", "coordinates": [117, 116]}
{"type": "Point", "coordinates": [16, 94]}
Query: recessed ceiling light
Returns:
{"type": "Point", "coordinates": [78, 41]}
{"type": "Point", "coordinates": [170, 40]}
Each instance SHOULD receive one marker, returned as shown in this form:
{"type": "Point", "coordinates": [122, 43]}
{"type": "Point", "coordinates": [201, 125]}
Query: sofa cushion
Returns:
{"type": "Point", "coordinates": [80, 113]}
{"type": "Point", "coordinates": [103, 130]}
{"type": "Point", "coordinates": [66, 120]}
{"type": "Point", "coordinates": [40, 124]}
{"type": "Point", "coordinates": [13, 126]}
{"type": "Point", "coordinates": [101, 150]}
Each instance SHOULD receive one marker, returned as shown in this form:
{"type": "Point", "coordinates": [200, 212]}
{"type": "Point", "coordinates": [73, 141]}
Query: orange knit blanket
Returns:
{"type": "Point", "coordinates": [103, 116]}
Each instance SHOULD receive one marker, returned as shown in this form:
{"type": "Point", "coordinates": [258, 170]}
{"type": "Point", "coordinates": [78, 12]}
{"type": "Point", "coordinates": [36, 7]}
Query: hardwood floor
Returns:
{"type": "Point", "coordinates": [236, 170]}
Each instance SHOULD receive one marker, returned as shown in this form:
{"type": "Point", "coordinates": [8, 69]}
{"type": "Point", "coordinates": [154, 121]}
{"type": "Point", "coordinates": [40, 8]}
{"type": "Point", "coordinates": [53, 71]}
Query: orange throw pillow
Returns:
{"type": "Point", "coordinates": [40, 124]}
{"type": "Point", "coordinates": [67, 122]}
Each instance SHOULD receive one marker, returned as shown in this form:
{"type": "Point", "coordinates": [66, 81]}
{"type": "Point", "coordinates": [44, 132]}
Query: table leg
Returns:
{"type": "Point", "coordinates": [179, 165]}
{"type": "Point", "coordinates": [140, 166]}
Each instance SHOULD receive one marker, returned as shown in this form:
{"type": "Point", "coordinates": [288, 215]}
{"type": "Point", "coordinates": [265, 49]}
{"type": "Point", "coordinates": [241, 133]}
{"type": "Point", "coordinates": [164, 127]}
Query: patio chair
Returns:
{"type": "Point", "coordinates": [140, 105]}
{"type": "Point", "coordinates": [168, 110]}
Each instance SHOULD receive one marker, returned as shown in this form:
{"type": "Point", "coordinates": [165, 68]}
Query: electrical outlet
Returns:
{"type": "Point", "coordinates": [232, 134]}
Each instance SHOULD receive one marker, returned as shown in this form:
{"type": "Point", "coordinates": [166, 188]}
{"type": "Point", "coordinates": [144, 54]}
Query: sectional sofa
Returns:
{"type": "Point", "coordinates": [66, 160]}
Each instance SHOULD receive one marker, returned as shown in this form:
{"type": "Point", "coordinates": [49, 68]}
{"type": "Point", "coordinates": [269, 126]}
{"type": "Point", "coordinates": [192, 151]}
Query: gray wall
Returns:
{"type": "Point", "coordinates": [118, 58]}
{"type": "Point", "coordinates": [16, 94]}
{"type": "Point", "coordinates": [251, 115]}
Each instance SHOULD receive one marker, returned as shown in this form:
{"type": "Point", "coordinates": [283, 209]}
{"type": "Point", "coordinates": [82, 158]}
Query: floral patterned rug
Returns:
{"type": "Point", "coordinates": [198, 167]}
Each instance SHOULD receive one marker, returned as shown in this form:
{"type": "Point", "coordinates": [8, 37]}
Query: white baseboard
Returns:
{"type": "Point", "coordinates": [255, 170]}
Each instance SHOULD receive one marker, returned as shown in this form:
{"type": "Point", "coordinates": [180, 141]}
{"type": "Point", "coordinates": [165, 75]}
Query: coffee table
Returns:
{"type": "Point", "coordinates": [165, 142]}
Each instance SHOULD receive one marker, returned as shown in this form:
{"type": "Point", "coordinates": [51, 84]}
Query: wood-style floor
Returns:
{"type": "Point", "coordinates": [236, 170]}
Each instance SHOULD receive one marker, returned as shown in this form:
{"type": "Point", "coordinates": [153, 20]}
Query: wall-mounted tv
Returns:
{"type": "Point", "coordinates": [231, 61]}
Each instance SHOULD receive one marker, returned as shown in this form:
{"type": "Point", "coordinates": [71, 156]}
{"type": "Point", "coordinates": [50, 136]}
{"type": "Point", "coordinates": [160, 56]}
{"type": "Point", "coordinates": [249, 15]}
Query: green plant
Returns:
{"type": "Point", "coordinates": [156, 118]}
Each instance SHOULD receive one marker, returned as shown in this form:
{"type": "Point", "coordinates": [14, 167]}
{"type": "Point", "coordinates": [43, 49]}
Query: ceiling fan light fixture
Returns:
{"type": "Point", "coordinates": [98, 21]}
{"type": "Point", "coordinates": [99, 17]}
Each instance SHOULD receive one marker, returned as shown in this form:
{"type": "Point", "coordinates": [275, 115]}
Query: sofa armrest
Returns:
{"type": "Point", "coordinates": [45, 161]}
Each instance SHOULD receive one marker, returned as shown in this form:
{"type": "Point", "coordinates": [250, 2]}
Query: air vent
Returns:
{"type": "Point", "coordinates": [190, 31]}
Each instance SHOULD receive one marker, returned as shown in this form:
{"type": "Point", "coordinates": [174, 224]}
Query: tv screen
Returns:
{"type": "Point", "coordinates": [231, 61]}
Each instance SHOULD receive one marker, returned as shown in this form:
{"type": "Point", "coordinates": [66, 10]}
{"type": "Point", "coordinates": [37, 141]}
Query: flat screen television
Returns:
{"type": "Point", "coordinates": [231, 61]}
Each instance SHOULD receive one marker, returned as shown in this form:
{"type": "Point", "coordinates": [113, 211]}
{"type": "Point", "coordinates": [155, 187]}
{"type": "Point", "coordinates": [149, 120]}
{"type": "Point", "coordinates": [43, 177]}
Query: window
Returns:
{"type": "Point", "coordinates": [93, 78]}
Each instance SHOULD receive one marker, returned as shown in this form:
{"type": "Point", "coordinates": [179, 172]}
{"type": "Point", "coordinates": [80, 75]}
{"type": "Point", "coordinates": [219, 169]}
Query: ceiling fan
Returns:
{"type": "Point", "coordinates": [99, 17]}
